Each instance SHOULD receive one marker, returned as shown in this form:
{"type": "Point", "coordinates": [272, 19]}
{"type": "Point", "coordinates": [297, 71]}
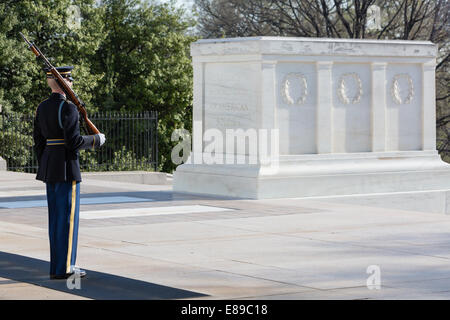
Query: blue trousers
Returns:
{"type": "Point", "coordinates": [63, 200]}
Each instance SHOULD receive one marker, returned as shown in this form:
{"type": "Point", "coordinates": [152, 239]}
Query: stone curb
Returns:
{"type": "Point", "coordinates": [142, 177]}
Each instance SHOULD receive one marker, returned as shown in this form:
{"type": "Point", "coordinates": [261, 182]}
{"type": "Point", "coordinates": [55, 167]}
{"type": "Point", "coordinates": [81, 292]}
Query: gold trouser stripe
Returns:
{"type": "Point", "coordinates": [93, 144]}
{"type": "Point", "coordinates": [72, 215]}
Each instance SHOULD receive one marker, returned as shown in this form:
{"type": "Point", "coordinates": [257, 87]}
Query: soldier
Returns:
{"type": "Point", "coordinates": [57, 143]}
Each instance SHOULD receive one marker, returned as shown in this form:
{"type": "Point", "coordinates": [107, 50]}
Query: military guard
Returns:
{"type": "Point", "coordinates": [57, 143]}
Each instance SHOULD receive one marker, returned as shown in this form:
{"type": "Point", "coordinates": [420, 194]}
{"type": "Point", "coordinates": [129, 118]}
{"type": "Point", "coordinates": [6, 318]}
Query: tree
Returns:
{"type": "Point", "coordinates": [145, 63]}
{"type": "Point", "coordinates": [129, 55]}
{"type": "Point", "coordinates": [22, 81]}
{"type": "Point", "coordinates": [399, 19]}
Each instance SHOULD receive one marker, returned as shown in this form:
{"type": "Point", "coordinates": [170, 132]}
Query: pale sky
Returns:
{"type": "Point", "coordinates": [187, 3]}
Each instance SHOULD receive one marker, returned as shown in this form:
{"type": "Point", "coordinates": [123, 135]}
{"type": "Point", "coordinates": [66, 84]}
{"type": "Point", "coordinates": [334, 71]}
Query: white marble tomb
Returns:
{"type": "Point", "coordinates": [352, 117]}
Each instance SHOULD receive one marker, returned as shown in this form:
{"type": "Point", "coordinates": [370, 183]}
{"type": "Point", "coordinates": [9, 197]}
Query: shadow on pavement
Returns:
{"type": "Point", "coordinates": [153, 196]}
{"type": "Point", "coordinates": [96, 285]}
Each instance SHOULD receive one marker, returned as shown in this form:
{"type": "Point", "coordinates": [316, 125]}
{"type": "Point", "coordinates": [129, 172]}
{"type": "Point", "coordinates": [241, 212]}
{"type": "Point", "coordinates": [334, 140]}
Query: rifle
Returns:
{"type": "Point", "coordinates": [72, 96]}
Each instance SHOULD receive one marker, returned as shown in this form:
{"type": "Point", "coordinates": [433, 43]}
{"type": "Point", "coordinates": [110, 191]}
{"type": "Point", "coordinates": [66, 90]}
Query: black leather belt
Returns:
{"type": "Point", "coordinates": [55, 142]}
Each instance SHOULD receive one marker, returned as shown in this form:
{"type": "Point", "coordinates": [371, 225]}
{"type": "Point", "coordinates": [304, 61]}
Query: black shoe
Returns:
{"type": "Point", "coordinates": [79, 272]}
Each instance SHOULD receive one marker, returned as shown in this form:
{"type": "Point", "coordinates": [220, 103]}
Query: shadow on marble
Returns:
{"type": "Point", "coordinates": [96, 285]}
{"type": "Point", "coordinates": [145, 195]}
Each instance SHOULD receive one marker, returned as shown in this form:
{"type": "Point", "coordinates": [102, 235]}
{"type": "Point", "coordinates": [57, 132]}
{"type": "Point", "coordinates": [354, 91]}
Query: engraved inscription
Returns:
{"type": "Point", "coordinates": [228, 115]}
{"type": "Point", "coordinates": [226, 123]}
{"type": "Point", "coordinates": [228, 107]}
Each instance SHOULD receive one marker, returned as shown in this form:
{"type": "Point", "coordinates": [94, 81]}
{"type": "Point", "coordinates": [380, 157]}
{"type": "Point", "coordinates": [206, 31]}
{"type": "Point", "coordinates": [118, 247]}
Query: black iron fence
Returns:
{"type": "Point", "coordinates": [131, 142]}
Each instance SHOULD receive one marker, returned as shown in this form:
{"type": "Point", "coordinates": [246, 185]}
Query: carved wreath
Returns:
{"type": "Point", "coordinates": [287, 82]}
{"type": "Point", "coordinates": [395, 89]}
{"type": "Point", "coordinates": [342, 88]}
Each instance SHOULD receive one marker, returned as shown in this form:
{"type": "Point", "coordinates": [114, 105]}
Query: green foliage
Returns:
{"type": "Point", "coordinates": [122, 160]}
{"type": "Point", "coordinates": [16, 131]}
{"type": "Point", "coordinates": [146, 66]}
{"type": "Point", "coordinates": [129, 55]}
{"type": "Point", "coordinates": [18, 156]}
{"type": "Point", "coordinates": [123, 157]}
{"type": "Point", "coordinates": [88, 161]}
{"type": "Point", "coordinates": [22, 81]}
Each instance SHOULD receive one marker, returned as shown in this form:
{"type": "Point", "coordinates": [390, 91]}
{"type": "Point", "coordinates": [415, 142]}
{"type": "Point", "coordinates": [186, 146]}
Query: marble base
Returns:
{"type": "Point", "coordinates": [2, 164]}
{"type": "Point", "coordinates": [435, 201]}
{"type": "Point", "coordinates": [319, 175]}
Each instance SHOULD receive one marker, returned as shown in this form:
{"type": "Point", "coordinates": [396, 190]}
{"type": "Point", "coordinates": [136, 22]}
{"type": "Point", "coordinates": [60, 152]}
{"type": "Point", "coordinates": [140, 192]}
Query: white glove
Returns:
{"type": "Point", "coordinates": [102, 138]}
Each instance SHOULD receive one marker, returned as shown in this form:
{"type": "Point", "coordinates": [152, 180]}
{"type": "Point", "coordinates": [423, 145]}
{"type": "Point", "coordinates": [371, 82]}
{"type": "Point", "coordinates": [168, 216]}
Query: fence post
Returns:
{"type": "Point", "coordinates": [2, 161]}
{"type": "Point", "coordinates": [156, 141]}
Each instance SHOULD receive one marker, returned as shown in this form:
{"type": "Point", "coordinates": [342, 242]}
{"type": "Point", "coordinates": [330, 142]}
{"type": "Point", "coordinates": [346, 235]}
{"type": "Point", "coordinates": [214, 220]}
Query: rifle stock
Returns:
{"type": "Point", "coordinates": [70, 94]}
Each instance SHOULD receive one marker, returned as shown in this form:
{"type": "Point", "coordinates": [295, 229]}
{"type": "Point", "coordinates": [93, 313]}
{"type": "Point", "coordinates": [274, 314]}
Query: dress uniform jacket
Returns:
{"type": "Point", "coordinates": [58, 140]}
{"type": "Point", "coordinates": [57, 143]}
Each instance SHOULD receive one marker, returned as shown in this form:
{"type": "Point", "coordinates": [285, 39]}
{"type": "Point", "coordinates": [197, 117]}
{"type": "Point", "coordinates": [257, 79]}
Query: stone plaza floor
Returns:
{"type": "Point", "coordinates": [141, 241]}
